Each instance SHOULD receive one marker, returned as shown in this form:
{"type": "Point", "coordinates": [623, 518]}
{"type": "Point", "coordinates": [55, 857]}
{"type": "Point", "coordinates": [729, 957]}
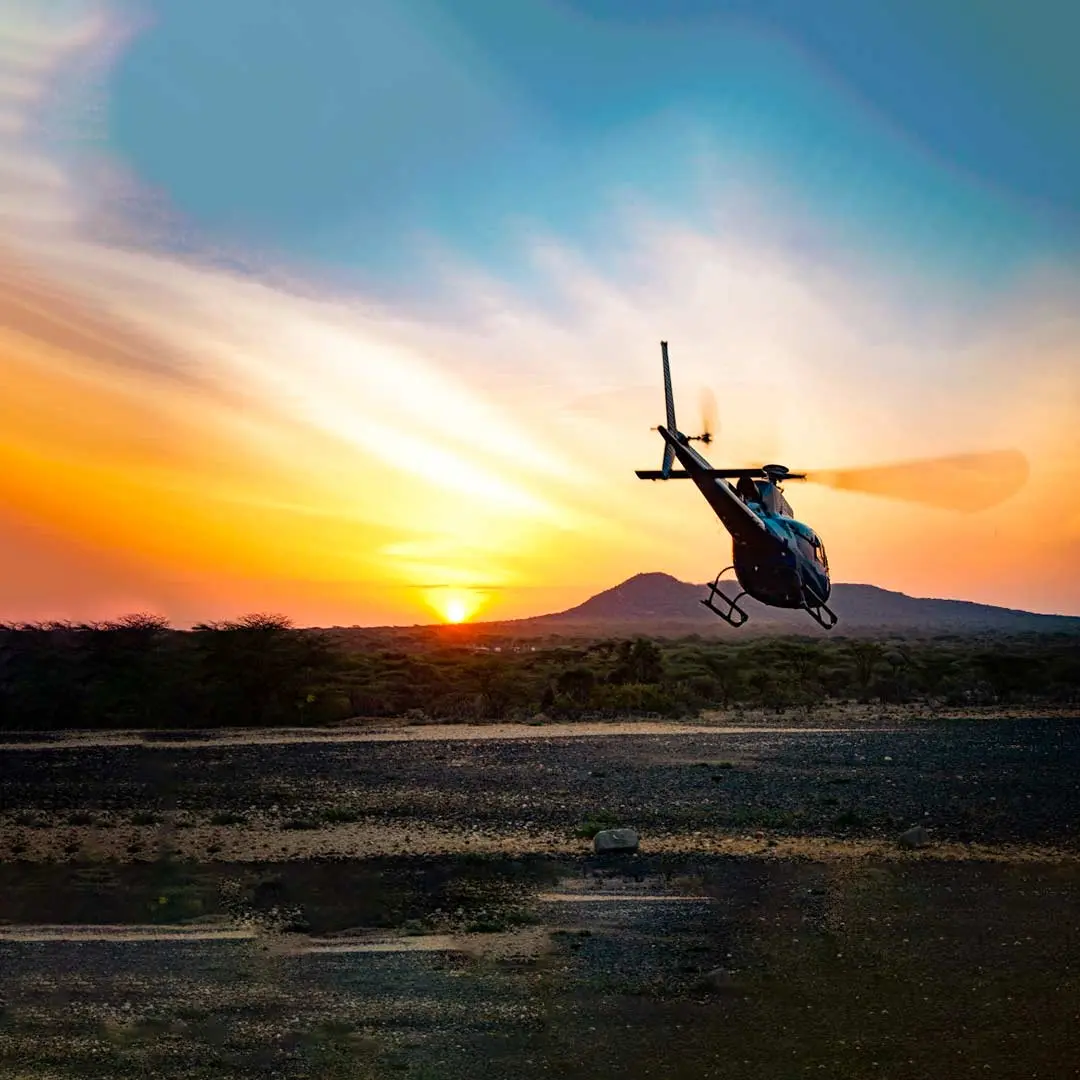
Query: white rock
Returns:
{"type": "Point", "coordinates": [615, 840]}
{"type": "Point", "coordinates": [915, 838]}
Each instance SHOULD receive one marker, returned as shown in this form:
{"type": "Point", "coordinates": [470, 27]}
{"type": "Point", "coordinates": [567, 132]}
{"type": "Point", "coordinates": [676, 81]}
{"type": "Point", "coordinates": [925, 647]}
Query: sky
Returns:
{"type": "Point", "coordinates": [351, 310]}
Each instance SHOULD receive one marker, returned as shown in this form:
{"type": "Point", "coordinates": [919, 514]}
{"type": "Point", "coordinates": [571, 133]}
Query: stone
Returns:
{"type": "Point", "coordinates": [612, 840]}
{"type": "Point", "coordinates": [917, 837]}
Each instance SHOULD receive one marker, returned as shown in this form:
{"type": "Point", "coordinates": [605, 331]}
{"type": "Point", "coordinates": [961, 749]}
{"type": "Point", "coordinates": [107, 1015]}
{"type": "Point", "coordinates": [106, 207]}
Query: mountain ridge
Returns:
{"type": "Point", "coordinates": [659, 598]}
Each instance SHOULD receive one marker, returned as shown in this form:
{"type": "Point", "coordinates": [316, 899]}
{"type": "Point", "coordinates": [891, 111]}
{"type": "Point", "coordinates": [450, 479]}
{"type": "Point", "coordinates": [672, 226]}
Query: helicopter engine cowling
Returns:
{"type": "Point", "coordinates": [779, 473]}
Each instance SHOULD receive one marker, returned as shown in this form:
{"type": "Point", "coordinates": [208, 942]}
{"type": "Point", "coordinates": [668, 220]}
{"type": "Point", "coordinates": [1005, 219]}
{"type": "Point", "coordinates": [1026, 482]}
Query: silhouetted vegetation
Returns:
{"type": "Point", "coordinates": [139, 673]}
{"type": "Point", "coordinates": [260, 671]}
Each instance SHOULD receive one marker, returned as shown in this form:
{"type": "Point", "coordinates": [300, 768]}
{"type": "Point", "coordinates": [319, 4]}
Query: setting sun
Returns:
{"type": "Point", "coordinates": [456, 605]}
{"type": "Point", "coordinates": [455, 610]}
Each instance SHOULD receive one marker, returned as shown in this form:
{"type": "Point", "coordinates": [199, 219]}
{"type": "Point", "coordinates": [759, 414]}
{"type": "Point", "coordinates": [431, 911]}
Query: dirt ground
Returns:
{"type": "Point", "coordinates": [425, 902]}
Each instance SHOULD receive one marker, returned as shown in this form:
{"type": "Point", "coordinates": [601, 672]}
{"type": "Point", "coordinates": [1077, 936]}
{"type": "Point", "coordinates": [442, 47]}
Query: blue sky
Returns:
{"type": "Point", "coordinates": [347, 131]}
{"type": "Point", "coordinates": [857, 221]}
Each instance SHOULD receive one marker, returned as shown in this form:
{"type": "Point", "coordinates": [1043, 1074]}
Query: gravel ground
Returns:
{"type": "Point", "coordinates": [969, 782]}
{"type": "Point", "coordinates": [767, 970]}
{"type": "Point", "coordinates": [427, 907]}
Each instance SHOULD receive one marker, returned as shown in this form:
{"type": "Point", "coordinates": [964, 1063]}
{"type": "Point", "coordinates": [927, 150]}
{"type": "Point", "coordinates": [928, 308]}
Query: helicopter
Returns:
{"type": "Point", "coordinates": [781, 562]}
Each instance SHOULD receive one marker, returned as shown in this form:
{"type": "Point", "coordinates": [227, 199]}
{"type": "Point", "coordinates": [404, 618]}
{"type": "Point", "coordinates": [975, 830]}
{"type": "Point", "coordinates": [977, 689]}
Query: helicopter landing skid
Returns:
{"type": "Point", "coordinates": [818, 610]}
{"type": "Point", "coordinates": [731, 613]}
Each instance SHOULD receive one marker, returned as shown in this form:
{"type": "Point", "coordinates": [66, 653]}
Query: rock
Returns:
{"type": "Point", "coordinates": [608, 840]}
{"type": "Point", "coordinates": [915, 838]}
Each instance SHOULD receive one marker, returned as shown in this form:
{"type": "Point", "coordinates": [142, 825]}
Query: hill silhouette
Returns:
{"type": "Point", "coordinates": [659, 603]}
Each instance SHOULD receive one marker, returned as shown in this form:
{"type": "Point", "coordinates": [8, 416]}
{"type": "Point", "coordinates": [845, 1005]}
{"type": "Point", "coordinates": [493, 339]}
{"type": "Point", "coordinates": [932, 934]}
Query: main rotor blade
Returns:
{"type": "Point", "coordinates": [965, 482]}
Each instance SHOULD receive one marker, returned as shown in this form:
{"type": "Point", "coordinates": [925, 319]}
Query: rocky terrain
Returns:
{"type": "Point", "coordinates": [414, 901]}
{"type": "Point", "coordinates": [516, 790]}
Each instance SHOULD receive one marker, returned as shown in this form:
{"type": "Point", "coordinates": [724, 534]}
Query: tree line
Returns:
{"type": "Point", "coordinates": [261, 671]}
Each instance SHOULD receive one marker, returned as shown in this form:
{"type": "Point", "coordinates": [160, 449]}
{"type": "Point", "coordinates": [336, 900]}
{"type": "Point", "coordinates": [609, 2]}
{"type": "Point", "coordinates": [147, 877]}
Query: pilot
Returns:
{"type": "Point", "coordinates": [747, 489]}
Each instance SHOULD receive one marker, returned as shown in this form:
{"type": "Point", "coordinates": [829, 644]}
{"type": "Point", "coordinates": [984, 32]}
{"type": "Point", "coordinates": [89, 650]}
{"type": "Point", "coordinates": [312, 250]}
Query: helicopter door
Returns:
{"type": "Point", "coordinates": [821, 556]}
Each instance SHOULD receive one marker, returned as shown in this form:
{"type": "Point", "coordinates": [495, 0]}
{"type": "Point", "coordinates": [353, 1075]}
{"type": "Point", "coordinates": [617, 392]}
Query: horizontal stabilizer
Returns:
{"type": "Point", "coordinates": [659, 474]}
{"type": "Point", "coordinates": [716, 474]}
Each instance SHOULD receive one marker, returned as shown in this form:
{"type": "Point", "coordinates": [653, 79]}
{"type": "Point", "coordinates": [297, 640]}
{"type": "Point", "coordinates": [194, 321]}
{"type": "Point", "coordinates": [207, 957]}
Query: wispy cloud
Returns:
{"type": "Point", "coordinates": [240, 437]}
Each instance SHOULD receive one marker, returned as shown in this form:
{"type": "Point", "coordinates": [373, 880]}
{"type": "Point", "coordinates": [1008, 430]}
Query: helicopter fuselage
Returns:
{"type": "Point", "coordinates": [778, 560]}
{"type": "Point", "coordinates": [787, 570]}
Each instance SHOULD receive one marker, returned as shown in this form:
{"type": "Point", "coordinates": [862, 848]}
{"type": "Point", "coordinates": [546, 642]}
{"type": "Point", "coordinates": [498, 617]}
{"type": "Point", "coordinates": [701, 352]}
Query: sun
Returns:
{"type": "Point", "coordinates": [455, 610]}
{"type": "Point", "coordinates": [455, 605]}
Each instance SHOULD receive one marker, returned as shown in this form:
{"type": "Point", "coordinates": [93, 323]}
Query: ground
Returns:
{"type": "Point", "coordinates": [424, 902]}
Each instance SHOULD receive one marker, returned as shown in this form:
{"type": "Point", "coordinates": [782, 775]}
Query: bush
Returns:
{"type": "Point", "coordinates": [596, 822]}
{"type": "Point", "coordinates": [260, 670]}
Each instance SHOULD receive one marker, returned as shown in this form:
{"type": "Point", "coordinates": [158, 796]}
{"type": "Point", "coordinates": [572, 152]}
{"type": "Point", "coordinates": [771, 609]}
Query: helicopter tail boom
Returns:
{"type": "Point", "coordinates": [735, 515]}
{"type": "Point", "coordinates": [739, 520]}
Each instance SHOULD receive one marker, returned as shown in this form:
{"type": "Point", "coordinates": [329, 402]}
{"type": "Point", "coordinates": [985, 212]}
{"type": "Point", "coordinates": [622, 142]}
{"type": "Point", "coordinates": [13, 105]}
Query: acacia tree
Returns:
{"type": "Point", "coordinates": [576, 684]}
{"type": "Point", "coordinates": [639, 661]}
{"type": "Point", "coordinates": [126, 671]}
{"type": "Point", "coordinates": [260, 669]}
{"type": "Point", "coordinates": [726, 678]}
{"type": "Point", "coordinates": [40, 677]}
{"type": "Point", "coordinates": [866, 655]}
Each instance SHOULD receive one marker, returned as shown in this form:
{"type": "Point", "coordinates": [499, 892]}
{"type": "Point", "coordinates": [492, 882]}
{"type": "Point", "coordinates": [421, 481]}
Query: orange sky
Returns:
{"type": "Point", "coordinates": [179, 438]}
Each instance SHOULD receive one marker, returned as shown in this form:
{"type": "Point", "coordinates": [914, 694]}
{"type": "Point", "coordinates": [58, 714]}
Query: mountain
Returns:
{"type": "Point", "coordinates": [657, 603]}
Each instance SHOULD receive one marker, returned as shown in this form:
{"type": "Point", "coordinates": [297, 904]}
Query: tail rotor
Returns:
{"type": "Point", "coordinates": [707, 405]}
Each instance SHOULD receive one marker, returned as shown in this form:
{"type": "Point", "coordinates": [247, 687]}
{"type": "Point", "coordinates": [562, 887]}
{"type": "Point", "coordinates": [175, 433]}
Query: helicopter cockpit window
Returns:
{"type": "Point", "coordinates": [812, 547]}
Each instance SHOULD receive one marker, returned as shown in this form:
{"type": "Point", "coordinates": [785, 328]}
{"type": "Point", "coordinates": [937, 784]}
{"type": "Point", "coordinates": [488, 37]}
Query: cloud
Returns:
{"type": "Point", "coordinates": [220, 434]}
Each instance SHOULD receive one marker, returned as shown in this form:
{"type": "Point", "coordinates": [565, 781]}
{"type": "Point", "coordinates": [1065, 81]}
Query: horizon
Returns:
{"type": "Point", "coordinates": [356, 317]}
{"type": "Point", "coordinates": [466, 622]}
